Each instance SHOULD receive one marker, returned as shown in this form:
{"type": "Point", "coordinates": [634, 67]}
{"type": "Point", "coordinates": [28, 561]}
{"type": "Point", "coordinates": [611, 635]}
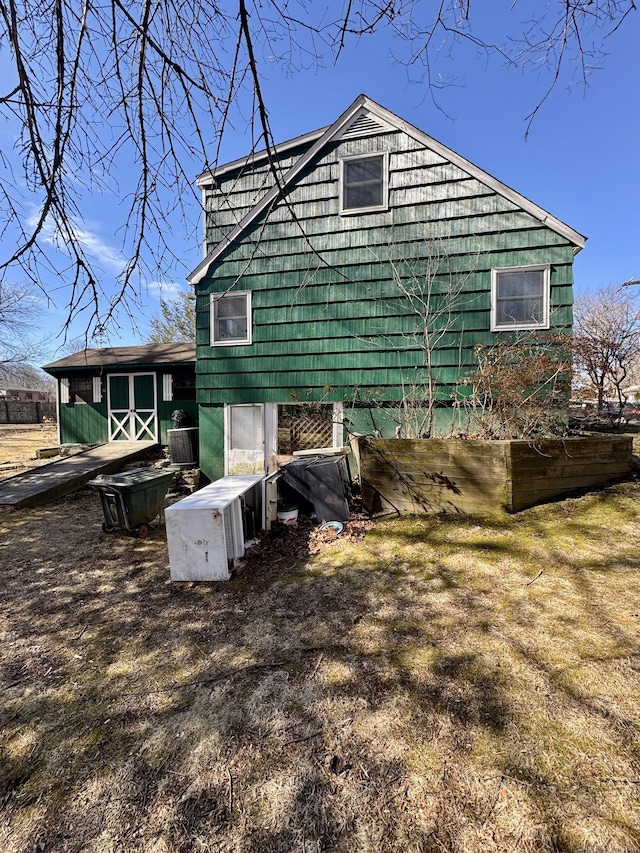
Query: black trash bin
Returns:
{"type": "Point", "coordinates": [132, 499]}
{"type": "Point", "coordinates": [324, 482]}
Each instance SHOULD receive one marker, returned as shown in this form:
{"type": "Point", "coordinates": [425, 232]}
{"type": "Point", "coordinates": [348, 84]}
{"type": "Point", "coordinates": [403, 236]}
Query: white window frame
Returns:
{"type": "Point", "coordinates": [66, 388]}
{"type": "Point", "coordinates": [231, 342]}
{"type": "Point", "coordinates": [351, 211]}
{"type": "Point", "coordinates": [546, 298]}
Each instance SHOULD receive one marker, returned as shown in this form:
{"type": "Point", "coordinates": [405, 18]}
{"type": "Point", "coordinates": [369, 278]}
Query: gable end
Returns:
{"type": "Point", "coordinates": [365, 118]}
{"type": "Point", "coordinates": [364, 124]}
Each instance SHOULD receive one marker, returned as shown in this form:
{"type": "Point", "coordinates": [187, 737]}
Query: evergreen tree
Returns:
{"type": "Point", "coordinates": [176, 322]}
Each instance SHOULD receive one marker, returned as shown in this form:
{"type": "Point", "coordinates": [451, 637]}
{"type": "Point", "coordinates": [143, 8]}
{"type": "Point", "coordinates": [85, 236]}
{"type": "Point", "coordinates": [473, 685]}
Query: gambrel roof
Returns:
{"type": "Point", "coordinates": [363, 118]}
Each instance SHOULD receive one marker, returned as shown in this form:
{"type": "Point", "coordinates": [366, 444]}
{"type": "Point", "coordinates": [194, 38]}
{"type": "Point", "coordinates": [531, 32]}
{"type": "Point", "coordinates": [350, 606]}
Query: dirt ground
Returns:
{"type": "Point", "coordinates": [20, 443]}
{"type": "Point", "coordinates": [423, 685]}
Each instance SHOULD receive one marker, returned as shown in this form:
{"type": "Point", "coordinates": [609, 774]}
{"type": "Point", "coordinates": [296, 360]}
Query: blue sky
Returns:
{"type": "Point", "coordinates": [579, 161]}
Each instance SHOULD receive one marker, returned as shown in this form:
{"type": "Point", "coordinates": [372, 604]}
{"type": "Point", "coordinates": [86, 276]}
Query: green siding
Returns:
{"type": "Point", "coordinates": [83, 423]}
{"type": "Point", "coordinates": [329, 323]}
{"type": "Point", "coordinates": [165, 409]}
{"type": "Point", "coordinates": [211, 419]}
{"type": "Point", "coordinates": [383, 421]}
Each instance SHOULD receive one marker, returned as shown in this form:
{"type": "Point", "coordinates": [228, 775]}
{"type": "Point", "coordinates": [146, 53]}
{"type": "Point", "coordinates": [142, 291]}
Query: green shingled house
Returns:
{"type": "Point", "coordinates": [351, 269]}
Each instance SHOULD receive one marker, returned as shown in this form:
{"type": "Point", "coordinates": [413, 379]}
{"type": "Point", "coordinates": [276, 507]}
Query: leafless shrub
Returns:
{"type": "Point", "coordinates": [520, 388]}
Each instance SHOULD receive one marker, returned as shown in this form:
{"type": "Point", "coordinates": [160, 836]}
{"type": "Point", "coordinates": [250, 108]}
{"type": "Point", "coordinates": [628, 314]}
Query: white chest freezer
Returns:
{"type": "Point", "coordinates": [207, 530]}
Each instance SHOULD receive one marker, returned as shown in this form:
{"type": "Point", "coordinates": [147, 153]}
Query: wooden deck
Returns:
{"type": "Point", "coordinates": [47, 482]}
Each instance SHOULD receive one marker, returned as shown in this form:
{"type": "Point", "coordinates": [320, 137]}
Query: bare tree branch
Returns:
{"type": "Point", "coordinates": [156, 84]}
{"type": "Point", "coordinates": [606, 343]}
{"type": "Point", "coordinates": [19, 312]}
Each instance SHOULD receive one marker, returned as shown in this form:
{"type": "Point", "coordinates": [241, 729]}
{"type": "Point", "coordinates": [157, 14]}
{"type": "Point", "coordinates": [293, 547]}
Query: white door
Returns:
{"type": "Point", "coordinates": [249, 438]}
{"type": "Point", "coordinates": [132, 406]}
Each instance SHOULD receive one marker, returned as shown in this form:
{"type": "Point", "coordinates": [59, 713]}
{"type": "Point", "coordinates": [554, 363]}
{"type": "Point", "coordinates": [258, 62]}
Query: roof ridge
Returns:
{"type": "Point", "coordinates": [332, 131]}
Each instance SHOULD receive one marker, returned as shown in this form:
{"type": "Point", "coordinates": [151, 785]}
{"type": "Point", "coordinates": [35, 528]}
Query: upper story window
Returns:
{"type": "Point", "coordinates": [363, 184]}
{"type": "Point", "coordinates": [231, 318]}
{"type": "Point", "coordinates": [520, 298]}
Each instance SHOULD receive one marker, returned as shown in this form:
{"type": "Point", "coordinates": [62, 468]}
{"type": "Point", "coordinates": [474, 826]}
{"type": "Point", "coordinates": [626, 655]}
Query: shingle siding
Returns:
{"type": "Point", "coordinates": [327, 317]}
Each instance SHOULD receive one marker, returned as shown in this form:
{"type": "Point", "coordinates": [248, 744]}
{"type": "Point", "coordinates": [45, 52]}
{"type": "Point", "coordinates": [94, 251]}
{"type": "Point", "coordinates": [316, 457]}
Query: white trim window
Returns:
{"type": "Point", "coordinates": [231, 318]}
{"type": "Point", "coordinates": [80, 389]}
{"type": "Point", "coordinates": [364, 183]}
{"type": "Point", "coordinates": [520, 298]}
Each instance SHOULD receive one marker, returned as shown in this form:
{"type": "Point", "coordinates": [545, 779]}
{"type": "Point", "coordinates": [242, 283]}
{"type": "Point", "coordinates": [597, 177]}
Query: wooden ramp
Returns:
{"type": "Point", "coordinates": [47, 482]}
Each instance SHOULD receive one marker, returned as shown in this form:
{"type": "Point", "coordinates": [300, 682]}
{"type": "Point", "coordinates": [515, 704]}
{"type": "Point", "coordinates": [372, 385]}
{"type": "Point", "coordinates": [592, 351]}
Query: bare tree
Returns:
{"type": "Point", "coordinates": [158, 82]}
{"type": "Point", "coordinates": [27, 376]}
{"type": "Point", "coordinates": [427, 300]}
{"type": "Point", "coordinates": [18, 317]}
{"type": "Point", "coordinates": [606, 343]}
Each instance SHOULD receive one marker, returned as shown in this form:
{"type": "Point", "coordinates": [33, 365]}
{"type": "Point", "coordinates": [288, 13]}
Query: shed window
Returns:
{"type": "Point", "coordinates": [184, 385]}
{"type": "Point", "coordinates": [81, 389]}
{"type": "Point", "coordinates": [520, 298]}
{"type": "Point", "coordinates": [364, 184]}
{"type": "Point", "coordinates": [231, 318]}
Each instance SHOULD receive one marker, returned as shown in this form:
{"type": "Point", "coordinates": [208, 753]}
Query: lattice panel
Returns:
{"type": "Point", "coordinates": [304, 428]}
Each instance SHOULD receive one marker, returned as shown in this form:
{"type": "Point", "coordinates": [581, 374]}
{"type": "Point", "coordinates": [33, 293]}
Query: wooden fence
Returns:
{"type": "Point", "coordinates": [26, 411]}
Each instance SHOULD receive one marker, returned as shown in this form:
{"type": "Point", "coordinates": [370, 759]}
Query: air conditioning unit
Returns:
{"type": "Point", "coordinates": [183, 446]}
{"type": "Point", "coordinates": [207, 530]}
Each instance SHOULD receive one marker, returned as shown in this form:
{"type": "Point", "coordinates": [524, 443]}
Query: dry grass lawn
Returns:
{"type": "Point", "coordinates": [20, 444]}
{"type": "Point", "coordinates": [449, 684]}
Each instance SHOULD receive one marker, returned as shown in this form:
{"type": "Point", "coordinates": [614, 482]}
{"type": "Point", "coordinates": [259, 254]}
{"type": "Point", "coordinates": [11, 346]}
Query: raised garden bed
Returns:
{"type": "Point", "coordinates": [448, 475]}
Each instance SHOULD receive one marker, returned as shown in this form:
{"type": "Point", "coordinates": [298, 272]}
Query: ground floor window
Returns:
{"type": "Point", "coordinates": [305, 427]}
{"type": "Point", "coordinates": [184, 385]}
{"type": "Point", "coordinates": [79, 390]}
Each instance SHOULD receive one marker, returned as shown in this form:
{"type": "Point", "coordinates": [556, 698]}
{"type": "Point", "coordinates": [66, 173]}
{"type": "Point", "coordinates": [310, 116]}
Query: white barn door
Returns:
{"type": "Point", "coordinates": [132, 407]}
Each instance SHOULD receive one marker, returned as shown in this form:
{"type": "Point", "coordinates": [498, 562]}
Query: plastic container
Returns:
{"type": "Point", "coordinates": [132, 499]}
{"type": "Point", "coordinates": [288, 516]}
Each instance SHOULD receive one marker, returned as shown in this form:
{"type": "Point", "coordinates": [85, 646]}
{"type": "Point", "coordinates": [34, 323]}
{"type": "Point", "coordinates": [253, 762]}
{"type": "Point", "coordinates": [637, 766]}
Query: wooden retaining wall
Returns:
{"type": "Point", "coordinates": [446, 475]}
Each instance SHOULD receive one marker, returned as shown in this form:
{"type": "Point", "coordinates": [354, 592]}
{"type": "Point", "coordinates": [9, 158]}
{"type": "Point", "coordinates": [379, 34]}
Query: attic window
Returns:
{"type": "Point", "coordinates": [520, 298]}
{"type": "Point", "coordinates": [231, 318]}
{"type": "Point", "coordinates": [363, 185]}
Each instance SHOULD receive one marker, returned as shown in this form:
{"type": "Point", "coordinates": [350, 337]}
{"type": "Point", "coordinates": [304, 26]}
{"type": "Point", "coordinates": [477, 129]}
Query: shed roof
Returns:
{"type": "Point", "coordinates": [149, 355]}
{"type": "Point", "coordinates": [367, 114]}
